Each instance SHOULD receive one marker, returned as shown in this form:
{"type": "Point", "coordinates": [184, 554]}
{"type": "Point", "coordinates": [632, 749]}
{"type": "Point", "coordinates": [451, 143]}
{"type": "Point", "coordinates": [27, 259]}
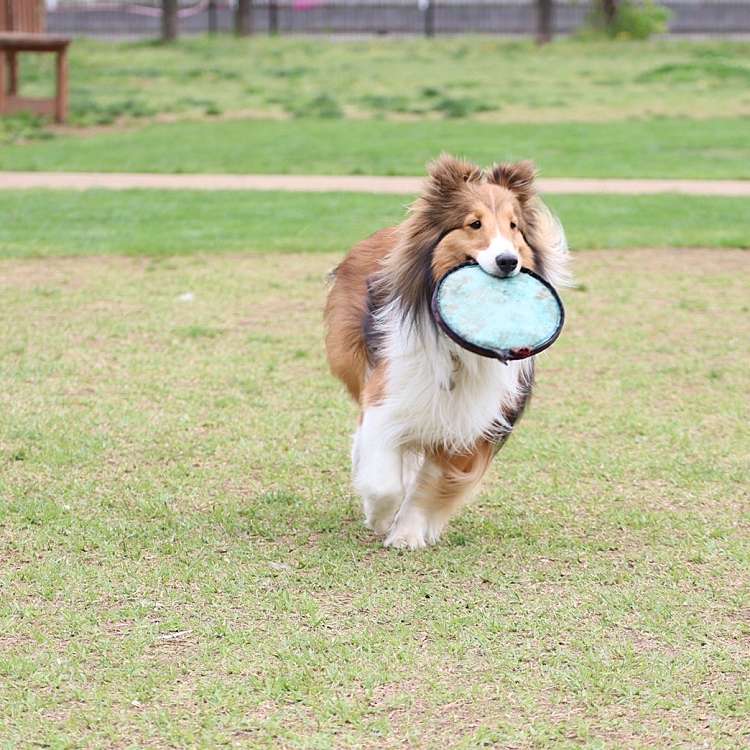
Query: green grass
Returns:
{"type": "Point", "coordinates": [479, 76]}
{"type": "Point", "coordinates": [658, 148]}
{"type": "Point", "coordinates": [183, 563]}
{"type": "Point", "coordinates": [46, 223]}
{"type": "Point", "coordinates": [594, 108]}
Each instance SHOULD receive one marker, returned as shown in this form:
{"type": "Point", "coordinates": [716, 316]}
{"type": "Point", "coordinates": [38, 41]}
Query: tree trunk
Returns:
{"type": "Point", "coordinates": [243, 19]}
{"type": "Point", "coordinates": [168, 20]}
{"type": "Point", "coordinates": [544, 21]}
{"type": "Point", "coordinates": [609, 10]}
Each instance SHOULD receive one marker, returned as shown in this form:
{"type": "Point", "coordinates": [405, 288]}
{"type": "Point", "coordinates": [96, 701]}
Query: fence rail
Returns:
{"type": "Point", "coordinates": [373, 17]}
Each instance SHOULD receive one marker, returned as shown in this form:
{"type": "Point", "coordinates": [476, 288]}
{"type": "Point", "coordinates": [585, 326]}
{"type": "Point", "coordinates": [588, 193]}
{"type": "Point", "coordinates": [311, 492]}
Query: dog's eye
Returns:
{"type": "Point", "coordinates": [513, 225]}
{"type": "Point", "coordinates": [476, 224]}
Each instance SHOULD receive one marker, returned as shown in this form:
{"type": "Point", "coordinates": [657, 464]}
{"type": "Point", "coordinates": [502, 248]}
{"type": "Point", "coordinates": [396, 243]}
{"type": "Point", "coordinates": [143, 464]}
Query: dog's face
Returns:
{"type": "Point", "coordinates": [492, 217]}
{"type": "Point", "coordinates": [490, 234]}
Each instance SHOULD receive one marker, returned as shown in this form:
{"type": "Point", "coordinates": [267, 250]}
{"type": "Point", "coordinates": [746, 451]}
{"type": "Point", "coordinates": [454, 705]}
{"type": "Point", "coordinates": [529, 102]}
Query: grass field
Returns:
{"type": "Point", "coordinates": [481, 77]}
{"type": "Point", "coordinates": [46, 223]}
{"type": "Point", "coordinates": [660, 148]}
{"type": "Point", "coordinates": [183, 563]}
{"type": "Point", "coordinates": [650, 109]}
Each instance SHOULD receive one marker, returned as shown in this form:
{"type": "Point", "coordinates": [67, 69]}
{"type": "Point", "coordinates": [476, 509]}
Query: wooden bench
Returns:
{"type": "Point", "coordinates": [22, 24]}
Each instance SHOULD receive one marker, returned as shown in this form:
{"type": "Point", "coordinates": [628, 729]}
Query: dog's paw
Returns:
{"type": "Point", "coordinates": [380, 520]}
{"type": "Point", "coordinates": [411, 539]}
{"type": "Point", "coordinates": [413, 529]}
{"type": "Point", "coordinates": [380, 510]}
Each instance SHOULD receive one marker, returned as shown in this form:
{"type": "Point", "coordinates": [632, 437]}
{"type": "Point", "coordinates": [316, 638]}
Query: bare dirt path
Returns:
{"type": "Point", "coordinates": [343, 183]}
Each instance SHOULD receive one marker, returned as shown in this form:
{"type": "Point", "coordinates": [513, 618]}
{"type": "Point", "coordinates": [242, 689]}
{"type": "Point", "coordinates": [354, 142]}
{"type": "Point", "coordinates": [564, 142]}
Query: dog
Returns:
{"type": "Point", "coordinates": [432, 414]}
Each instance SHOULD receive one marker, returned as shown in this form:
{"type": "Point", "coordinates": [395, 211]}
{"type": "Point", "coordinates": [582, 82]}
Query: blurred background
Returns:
{"type": "Point", "coordinates": [508, 17]}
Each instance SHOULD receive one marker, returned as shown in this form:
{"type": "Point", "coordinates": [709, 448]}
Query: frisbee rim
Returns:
{"type": "Point", "coordinates": [504, 355]}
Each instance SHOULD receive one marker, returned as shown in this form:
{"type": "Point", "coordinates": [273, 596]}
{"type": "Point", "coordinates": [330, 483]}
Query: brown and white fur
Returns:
{"type": "Point", "coordinates": [433, 414]}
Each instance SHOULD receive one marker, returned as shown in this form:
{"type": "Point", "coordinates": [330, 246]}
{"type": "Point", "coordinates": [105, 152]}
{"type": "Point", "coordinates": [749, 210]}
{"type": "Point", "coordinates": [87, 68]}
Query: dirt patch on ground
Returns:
{"type": "Point", "coordinates": [126, 124]}
{"type": "Point", "coordinates": [69, 272]}
{"type": "Point", "coordinates": [695, 261]}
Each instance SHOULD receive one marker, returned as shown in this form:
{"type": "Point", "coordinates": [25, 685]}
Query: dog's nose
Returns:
{"type": "Point", "coordinates": [506, 262]}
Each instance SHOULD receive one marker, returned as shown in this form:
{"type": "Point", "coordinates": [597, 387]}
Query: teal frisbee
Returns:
{"type": "Point", "coordinates": [511, 318]}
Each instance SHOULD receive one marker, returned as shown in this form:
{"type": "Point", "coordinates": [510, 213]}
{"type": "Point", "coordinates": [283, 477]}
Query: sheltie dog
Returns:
{"type": "Point", "coordinates": [432, 414]}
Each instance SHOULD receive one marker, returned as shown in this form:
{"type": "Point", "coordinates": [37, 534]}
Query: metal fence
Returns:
{"type": "Point", "coordinates": [513, 17]}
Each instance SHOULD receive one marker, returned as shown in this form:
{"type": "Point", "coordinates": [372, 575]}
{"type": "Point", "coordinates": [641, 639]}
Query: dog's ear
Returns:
{"type": "Point", "coordinates": [440, 208]}
{"type": "Point", "coordinates": [448, 174]}
{"type": "Point", "coordinates": [518, 178]}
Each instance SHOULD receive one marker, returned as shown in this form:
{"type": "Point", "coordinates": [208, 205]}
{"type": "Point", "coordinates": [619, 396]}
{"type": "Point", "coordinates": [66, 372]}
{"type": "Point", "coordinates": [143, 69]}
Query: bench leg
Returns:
{"type": "Point", "coordinates": [13, 73]}
{"type": "Point", "coordinates": [61, 100]}
{"type": "Point", "coordinates": [2, 82]}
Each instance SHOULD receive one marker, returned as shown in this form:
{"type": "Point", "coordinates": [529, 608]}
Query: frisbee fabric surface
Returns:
{"type": "Point", "coordinates": [509, 318]}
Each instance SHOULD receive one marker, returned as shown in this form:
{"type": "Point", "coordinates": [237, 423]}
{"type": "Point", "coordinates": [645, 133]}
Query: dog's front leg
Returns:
{"type": "Point", "coordinates": [377, 468]}
{"type": "Point", "coordinates": [422, 516]}
{"type": "Point", "coordinates": [443, 484]}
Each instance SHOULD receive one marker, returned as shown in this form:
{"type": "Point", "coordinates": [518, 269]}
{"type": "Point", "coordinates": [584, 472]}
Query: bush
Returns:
{"type": "Point", "coordinates": [323, 105]}
{"type": "Point", "coordinates": [633, 20]}
{"type": "Point", "coordinates": [22, 126]}
{"type": "Point", "coordinates": [462, 106]}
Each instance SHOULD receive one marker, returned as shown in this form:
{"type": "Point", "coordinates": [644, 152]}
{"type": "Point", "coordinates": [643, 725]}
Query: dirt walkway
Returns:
{"type": "Point", "coordinates": [343, 183]}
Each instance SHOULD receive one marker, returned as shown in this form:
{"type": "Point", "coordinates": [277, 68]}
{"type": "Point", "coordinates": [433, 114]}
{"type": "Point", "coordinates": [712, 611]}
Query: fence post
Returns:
{"type": "Point", "coordinates": [169, 20]}
{"type": "Point", "coordinates": [273, 17]}
{"type": "Point", "coordinates": [544, 11]}
{"type": "Point", "coordinates": [243, 18]}
{"type": "Point", "coordinates": [213, 25]}
{"type": "Point", "coordinates": [429, 18]}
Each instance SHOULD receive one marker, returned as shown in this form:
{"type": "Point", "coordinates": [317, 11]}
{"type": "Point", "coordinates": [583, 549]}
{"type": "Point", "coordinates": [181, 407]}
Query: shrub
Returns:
{"type": "Point", "coordinates": [632, 20]}
{"type": "Point", "coordinates": [22, 127]}
{"type": "Point", "coordinates": [323, 105]}
{"type": "Point", "coordinates": [463, 106]}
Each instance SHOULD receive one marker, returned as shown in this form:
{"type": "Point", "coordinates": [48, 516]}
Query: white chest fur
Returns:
{"type": "Point", "coordinates": [438, 393]}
